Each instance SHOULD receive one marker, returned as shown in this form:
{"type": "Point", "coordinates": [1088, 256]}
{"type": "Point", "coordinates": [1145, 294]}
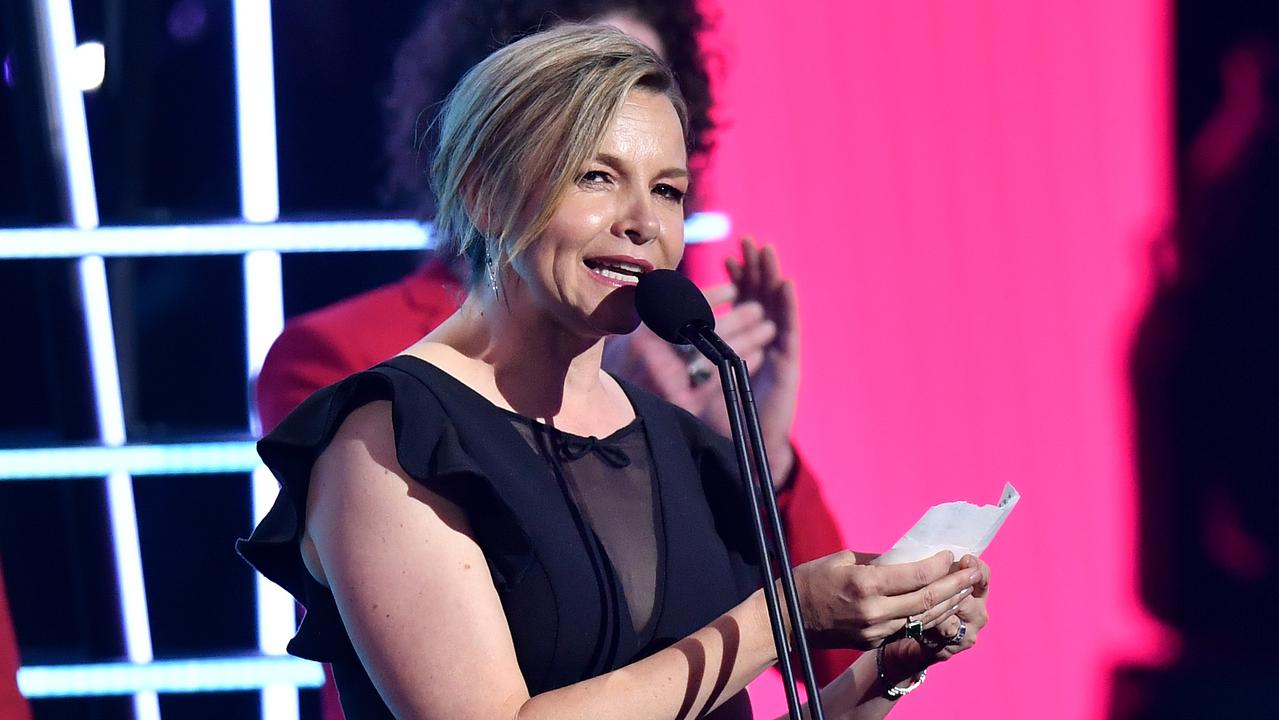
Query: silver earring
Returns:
{"type": "Point", "coordinates": [492, 273]}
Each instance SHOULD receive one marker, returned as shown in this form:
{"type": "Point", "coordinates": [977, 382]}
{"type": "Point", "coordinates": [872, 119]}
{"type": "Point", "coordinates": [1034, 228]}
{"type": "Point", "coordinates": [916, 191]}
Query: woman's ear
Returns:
{"type": "Point", "coordinates": [479, 211]}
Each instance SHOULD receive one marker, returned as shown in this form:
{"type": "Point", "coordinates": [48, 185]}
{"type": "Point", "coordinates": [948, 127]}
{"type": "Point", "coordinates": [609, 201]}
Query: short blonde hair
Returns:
{"type": "Point", "coordinates": [520, 125]}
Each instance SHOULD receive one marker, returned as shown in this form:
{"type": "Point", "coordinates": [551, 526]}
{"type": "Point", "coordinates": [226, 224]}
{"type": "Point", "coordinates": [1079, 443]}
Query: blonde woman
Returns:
{"type": "Point", "coordinates": [491, 526]}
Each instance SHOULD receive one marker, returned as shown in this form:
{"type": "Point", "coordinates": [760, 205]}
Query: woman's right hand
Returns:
{"type": "Point", "coordinates": [850, 605]}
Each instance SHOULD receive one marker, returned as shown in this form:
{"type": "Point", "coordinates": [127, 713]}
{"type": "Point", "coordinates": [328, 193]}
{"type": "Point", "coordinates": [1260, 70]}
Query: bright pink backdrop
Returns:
{"type": "Point", "coordinates": [964, 192]}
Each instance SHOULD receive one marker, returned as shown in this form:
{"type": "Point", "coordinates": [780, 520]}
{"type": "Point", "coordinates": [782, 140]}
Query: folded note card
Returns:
{"type": "Point", "coordinates": [960, 527]}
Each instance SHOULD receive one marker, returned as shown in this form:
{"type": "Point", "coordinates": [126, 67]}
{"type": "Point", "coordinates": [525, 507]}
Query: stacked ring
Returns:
{"type": "Point", "coordinates": [914, 628]}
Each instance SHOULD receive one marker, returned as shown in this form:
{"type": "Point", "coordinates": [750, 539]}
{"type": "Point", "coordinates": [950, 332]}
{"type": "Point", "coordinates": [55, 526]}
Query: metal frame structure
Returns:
{"type": "Point", "coordinates": [260, 239]}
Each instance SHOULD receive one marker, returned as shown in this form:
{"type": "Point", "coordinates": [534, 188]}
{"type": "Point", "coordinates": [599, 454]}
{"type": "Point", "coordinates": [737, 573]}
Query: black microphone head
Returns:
{"type": "Point", "coordinates": [667, 302]}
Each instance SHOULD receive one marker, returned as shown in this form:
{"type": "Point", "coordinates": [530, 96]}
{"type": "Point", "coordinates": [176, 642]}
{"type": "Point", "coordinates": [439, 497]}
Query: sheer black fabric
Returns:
{"type": "Point", "coordinates": [610, 483]}
{"type": "Point", "coordinates": [603, 551]}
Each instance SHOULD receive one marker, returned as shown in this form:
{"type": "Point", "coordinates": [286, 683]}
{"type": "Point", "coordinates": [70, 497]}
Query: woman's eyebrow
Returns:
{"type": "Point", "coordinates": [617, 164]}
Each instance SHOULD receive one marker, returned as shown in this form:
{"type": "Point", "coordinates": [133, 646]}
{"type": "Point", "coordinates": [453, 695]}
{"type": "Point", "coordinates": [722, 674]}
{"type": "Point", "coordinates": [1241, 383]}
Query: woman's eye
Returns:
{"type": "Point", "coordinates": [670, 192]}
{"type": "Point", "coordinates": [594, 177]}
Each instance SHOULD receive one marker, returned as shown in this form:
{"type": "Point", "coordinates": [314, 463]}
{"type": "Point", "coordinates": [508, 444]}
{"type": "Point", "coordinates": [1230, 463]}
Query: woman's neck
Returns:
{"type": "Point", "coordinates": [533, 364]}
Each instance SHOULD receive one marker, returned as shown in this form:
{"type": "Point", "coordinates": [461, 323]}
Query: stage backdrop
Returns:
{"type": "Point", "coordinates": [965, 193]}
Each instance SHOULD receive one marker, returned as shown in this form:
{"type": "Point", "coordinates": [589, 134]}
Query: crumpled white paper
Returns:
{"type": "Point", "coordinates": [960, 527]}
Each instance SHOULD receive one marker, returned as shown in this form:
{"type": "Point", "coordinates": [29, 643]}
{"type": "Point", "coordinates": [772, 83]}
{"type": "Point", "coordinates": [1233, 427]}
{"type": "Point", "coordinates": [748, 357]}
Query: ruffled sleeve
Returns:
{"type": "Point", "coordinates": [426, 447]}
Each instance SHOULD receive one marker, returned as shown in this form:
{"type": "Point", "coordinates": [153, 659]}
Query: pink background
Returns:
{"type": "Point", "coordinates": [965, 193]}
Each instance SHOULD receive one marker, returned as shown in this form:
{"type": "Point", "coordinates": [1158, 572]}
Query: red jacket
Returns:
{"type": "Point", "coordinates": [322, 347]}
{"type": "Point", "coordinates": [12, 705]}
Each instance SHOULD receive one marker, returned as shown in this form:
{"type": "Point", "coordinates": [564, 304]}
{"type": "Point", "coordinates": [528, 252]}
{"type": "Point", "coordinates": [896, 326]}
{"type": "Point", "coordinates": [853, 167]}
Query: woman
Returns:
{"type": "Point", "coordinates": [619, 575]}
{"type": "Point", "coordinates": [321, 347]}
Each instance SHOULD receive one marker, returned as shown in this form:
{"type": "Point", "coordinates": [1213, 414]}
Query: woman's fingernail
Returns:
{"type": "Point", "coordinates": [975, 577]}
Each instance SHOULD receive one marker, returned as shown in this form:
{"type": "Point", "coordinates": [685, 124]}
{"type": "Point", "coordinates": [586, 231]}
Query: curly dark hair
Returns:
{"type": "Point", "coordinates": [454, 35]}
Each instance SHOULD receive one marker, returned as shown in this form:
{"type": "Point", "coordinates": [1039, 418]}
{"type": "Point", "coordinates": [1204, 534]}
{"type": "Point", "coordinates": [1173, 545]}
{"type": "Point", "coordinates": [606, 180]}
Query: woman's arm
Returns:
{"type": "Point", "coordinates": [414, 591]}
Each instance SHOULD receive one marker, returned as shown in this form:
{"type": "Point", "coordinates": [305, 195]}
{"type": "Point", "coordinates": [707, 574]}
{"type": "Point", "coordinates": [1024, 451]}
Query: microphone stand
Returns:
{"type": "Point", "coordinates": [735, 382]}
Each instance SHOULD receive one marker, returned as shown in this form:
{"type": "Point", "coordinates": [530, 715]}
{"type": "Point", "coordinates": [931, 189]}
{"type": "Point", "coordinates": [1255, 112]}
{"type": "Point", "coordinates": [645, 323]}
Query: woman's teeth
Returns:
{"type": "Point", "coordinates": [618, 276]}
{"type": "Point", "coordinates": [622, 272]}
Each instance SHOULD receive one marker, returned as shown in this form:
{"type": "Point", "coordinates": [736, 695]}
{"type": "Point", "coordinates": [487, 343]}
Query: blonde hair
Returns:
{"type": "Point", "coordinates": [519, 127]}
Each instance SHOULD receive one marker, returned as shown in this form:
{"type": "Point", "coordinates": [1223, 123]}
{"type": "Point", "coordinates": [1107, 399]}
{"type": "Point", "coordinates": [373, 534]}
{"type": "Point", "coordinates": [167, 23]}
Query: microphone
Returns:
{"type": "Point", "coordinates": [673, 308]}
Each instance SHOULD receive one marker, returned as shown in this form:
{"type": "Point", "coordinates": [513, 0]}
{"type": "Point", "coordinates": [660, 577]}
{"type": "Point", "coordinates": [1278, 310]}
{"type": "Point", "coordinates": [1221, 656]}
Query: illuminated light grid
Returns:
{"type": "Point", "coordinates": [255, 110]}
{"type": "Point", "coordinates": [64, 106]}
{"type": "Point", "coordinates": [55, 463]}
{"type": "Point", "coordinates": [125, 544]}
{"type": "Point", "coordinates": [69, 133]}
{"type": "Point", "coordinates": [169, 676]}
{"type": "Point", "coordinates": [263, 315]}
{"type": "Point", "coordinates": [234, 238]}
{"type": "Point", "coordinates": [239, 238]}
{"type": "Point", "coordinates": [263, 293]}
{"type": "Point", "coordinates": [263, 289]}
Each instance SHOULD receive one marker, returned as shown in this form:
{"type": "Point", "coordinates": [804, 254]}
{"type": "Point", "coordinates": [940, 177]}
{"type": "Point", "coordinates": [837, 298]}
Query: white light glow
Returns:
{"type": "Point", "coordinates": [706, 227]}
{"type": "Point", "coordinates": [87, 462]}
{"type": "Point", "coordinates": [55, 27]}
{"type": "Point", "coordinates": [213, 239]}
{"type": "Point", "coordinates": [239, 238]}
{"type": "Point", "coordinates": [255, 104]}
{"type": "Point", "coordinates": [263, 286]}
{"type": "Point", "coordinates": [102, 356]}
{"type": "Point", "coordinates": [276, 613]}
{"type": "Point", "coordinates": [64, 103]}
{"type": "Point", "coordinates": [169, 676]}
{"type": "Point", "coordinates": [121, 510]}
{"type": "Point", "coordinates": [264, 310]}
{"type": "Point", "coordinates": [90, 66]}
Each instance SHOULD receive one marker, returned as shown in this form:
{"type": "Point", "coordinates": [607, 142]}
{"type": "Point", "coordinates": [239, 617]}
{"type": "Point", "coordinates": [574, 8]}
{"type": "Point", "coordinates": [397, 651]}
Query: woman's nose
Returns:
{"type": "Point", "coordinates": [638, 221]}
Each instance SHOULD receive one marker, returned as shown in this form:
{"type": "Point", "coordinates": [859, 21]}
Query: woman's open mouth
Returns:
{"type": "Point", "coordinates": [618, 271]}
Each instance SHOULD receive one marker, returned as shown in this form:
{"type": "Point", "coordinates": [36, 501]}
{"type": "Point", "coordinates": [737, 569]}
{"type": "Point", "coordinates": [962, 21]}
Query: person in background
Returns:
{"type": "Point", "coordinates": [489, 524]}
{"type": "Point", "coordinates": [1205, 380]}
{"type": "Point", "coordinates": [319, 348]}
{"type": "Point", "coordinates": [12, 705]}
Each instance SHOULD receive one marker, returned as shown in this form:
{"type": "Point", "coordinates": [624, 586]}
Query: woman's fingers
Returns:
{"type": "Point", "coordinates": [752, 339]}
{"type": "Point", "coordinates": [943, 610]}
{"type": "Point", "coordinates": [734, 269]}
{"type": "Point", "coordinates": [770, 270]}
{"type": "Point", "coordinates": [751, 270]}
{"type": "Point", "coordinates": [972, 562]}
{"type": "Point", "coordinates": [930, 598]}
{"type": "Point", "coordinates": [745, 327]}
{"type": "Point", "coordinates": [909, 577]}
{"type": "Point", "coordinates": [929, 619]}
{"type": "Point", "coordinates": [973, 611]}
{"type": "Point", "coordinates": [720, 294]}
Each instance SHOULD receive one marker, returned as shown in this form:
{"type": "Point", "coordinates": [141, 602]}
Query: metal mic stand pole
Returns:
{"type": "Point", "coordinates": [735, 382]}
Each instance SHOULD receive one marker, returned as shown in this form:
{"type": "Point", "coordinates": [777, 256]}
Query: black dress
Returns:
{"type": "Point", "coordinates": [586, 589]}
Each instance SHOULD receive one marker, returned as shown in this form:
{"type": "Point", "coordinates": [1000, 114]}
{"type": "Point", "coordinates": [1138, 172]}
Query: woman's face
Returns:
{"type": "Point", "coordinates": [623, 216]}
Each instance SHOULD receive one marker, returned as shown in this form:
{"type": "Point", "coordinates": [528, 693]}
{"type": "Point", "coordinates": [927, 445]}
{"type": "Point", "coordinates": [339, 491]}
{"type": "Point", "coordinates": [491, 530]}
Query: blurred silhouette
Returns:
{"type": "Point", "coordinates": [1205, 378]}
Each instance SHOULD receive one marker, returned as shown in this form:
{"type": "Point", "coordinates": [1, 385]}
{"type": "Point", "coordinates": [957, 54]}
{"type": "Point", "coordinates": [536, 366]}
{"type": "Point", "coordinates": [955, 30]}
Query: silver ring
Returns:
{"type": "Point", "coordinates": [699, 372]}
{"type": "Point", "coordinates": [958, 637]}
{"type": "Point", "coordinates": [914, 628]}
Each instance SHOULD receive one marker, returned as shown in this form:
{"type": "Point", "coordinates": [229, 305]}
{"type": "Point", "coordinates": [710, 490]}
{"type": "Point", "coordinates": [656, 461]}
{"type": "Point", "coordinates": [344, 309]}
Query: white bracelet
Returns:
{"type": "Point", "coordinates": [892, 692]}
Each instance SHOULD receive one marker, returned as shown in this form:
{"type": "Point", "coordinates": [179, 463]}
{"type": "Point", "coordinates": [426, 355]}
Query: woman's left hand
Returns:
{"type": "Point", "coordinates": [905, 657]}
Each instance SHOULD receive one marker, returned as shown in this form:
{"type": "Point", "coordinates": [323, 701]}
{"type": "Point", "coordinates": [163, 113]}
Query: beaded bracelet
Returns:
{"type": "Point", "coordinates": [892, 692]}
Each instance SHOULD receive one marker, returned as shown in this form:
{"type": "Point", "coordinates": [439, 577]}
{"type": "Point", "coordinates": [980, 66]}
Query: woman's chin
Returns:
{"type": "Point", "coordinates": [616, 314]}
